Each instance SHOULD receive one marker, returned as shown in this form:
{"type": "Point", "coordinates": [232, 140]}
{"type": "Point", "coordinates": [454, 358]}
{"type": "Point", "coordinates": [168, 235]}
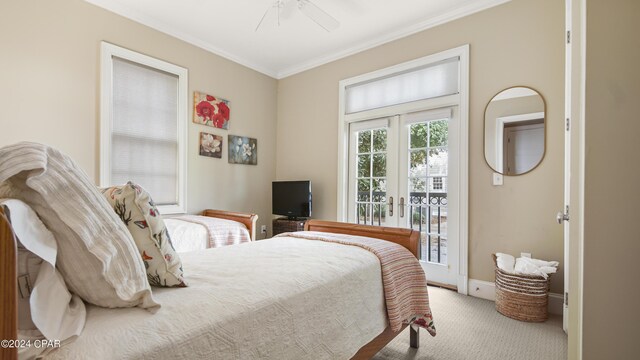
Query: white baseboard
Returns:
{"type": "Point", "coordinates": [487, 290]}
{"type": "Point", "coordinates": [482, 289]}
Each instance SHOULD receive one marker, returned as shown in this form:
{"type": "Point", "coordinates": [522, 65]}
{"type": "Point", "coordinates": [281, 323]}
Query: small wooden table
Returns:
{"type": "Point", "coordinates": [282, 225]}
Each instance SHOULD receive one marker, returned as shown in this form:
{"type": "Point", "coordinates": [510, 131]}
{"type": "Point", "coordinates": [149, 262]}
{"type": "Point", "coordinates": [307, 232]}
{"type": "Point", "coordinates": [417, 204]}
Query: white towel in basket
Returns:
{"type": "Point", "coordinates": [528, 266]}
{"type": "Point", "coordinates": [505, 262]}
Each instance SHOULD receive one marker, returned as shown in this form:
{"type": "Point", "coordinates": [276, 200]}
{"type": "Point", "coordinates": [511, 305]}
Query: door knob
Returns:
{"type": "Point", "coordinates": [390, 205]}
{"type": "Point", "coordinates": [562, 216]}
{"type": "Point", "coordinates": [401, 206]}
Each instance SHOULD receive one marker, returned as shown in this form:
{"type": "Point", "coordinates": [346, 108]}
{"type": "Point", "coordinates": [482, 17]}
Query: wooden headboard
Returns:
{"type": "Point", "coordinates": [8, 287]}
{"type": "Point", "coordinates": [405, 237]}
{"type": "Point", "coordinates": [249, 220]}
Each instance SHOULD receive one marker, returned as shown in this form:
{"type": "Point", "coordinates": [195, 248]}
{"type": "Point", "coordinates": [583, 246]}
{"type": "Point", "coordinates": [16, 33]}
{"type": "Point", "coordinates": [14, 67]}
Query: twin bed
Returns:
{"type": "Point", "coordinates": [214, 228]}
{"type": "Point", "coordinates": [281, 298]}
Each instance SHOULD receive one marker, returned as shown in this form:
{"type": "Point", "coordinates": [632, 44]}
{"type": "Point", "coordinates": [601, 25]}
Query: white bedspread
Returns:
{"type": "Point", "coordinates": [280, 298]}
{"type": "Point", "coordinates": [190, 232]}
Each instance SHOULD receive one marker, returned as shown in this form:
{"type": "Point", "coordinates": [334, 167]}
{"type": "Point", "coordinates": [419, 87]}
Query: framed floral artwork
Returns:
{"type": "Point", "coordinates": [210, 110]}
{"type": "Point", "coordinates": [210, 145]}
{"type": "Point", "coordinates": [243, 150]}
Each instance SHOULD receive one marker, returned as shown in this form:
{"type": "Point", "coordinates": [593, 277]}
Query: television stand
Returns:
{"type": "Point", "coordinates": [282, 225]}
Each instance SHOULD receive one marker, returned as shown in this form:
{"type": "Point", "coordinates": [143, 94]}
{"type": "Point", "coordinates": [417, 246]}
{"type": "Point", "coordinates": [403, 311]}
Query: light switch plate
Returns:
{"type": "Point", "coordinates": [263, 229]}
{"type": "Point", "coordinates": [497, 179]}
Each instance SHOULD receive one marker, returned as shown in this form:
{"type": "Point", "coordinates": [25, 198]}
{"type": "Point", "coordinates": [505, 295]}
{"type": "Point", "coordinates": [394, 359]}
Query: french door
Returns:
{"type": "Point", "coordinates": [401, 170]}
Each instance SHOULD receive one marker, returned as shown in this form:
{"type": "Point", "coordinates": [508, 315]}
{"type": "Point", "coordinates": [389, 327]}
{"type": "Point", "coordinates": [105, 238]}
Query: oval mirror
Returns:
{"type": "Point", "coordinates": [514, 131]}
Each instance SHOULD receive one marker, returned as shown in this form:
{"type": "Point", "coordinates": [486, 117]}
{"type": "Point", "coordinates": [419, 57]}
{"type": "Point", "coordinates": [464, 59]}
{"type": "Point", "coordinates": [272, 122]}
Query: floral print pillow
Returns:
{"type": "Point", "coordinates": [136, 209]}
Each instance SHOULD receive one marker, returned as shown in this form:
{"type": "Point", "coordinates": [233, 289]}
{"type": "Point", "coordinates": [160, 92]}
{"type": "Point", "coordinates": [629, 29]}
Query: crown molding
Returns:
{"type": "Point", "coordinates": [472, 8]}
{"type": "Point", "coordinates": [131, 14]}
{"type": "Point", "coordinates": [127, 12]}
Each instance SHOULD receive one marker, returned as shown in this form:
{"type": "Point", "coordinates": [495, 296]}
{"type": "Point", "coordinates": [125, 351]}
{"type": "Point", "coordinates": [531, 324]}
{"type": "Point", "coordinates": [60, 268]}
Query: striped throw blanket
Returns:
{"type": "Point", "coordinates": [221, 232]}
{"type": "Point", "coordinates": [403, 279]}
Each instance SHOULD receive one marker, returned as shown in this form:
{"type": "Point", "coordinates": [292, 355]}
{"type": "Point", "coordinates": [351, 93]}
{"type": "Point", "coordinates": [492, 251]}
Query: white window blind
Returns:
{"type": "Point", "coordinates": [433, 80]}
{"type": "Point", "coordinates": [143, 122]}
{"type": "Point", "coordinates": [144, 135]}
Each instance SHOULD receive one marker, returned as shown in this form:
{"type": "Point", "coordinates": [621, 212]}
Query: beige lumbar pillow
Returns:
{"type": "Point", "coordinates": [97, 257]}
{"type": "Point", "coordinates": [136, 209]}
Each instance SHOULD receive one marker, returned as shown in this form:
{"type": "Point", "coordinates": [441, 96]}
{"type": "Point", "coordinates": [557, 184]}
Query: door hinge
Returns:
{"type": "Point", "coordinates": [568, 36]}
{"type": "Point", "coordinates": [566, 298]}
{"type": "Point", "coordinates": [568, 124]}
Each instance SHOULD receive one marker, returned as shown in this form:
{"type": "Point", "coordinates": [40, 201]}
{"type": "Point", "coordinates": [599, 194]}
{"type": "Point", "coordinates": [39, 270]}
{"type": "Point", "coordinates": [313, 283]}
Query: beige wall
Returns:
{"type": "Point", "coordinates": [612, 127]}
{"type": "Point", "coordinates": [512, 44]}
{"type": "Point", "coordinates": [49, 92]}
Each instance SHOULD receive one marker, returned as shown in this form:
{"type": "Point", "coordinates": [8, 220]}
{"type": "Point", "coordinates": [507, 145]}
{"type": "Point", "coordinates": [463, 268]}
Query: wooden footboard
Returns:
{"type": "Point", "coordinates": [405, 237]}
{"type": "Point", "coordinates": [8, 287]}
{"type": "Point", "coordinates": [249, 220]}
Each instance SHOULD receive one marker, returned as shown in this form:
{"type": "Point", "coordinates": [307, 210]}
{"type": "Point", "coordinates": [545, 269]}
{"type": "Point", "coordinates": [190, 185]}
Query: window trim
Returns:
{"type": "Point", "coordinates": [107, 52]}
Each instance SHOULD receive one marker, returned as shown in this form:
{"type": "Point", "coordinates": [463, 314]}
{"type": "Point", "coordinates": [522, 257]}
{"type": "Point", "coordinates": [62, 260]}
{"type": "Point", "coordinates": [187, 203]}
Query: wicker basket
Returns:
{"type": "Point", "coordinates": [522, 297]}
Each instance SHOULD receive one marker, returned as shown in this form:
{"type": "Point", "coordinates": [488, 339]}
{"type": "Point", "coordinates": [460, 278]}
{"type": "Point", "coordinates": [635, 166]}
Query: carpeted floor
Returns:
{"type": "Point", "coordinates": [471, 328]}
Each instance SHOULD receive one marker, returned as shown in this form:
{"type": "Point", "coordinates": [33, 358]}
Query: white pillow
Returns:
{"type": "Point", "coordinates": [44, 303]}
{"type": "Point", "coordinates": [96, 255]}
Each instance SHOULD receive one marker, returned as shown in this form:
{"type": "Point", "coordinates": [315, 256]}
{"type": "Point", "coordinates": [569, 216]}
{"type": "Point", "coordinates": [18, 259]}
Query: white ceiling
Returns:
{"type": "Point", "coordinates": [227, 27]}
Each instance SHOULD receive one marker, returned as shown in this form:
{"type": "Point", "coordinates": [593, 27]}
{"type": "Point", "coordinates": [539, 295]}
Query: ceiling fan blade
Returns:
{"type": "Point", "coordinates": [275, 7]}
{"type": "Point", "coordinates": [318, 15]}
{"type": "Point", "coordinates": [263, 17]}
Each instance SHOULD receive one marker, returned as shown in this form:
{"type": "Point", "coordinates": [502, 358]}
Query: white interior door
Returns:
{"type": "Point", "coordinates": [524, 147]}
{"type": "Point", "coordinates": [563, 215]}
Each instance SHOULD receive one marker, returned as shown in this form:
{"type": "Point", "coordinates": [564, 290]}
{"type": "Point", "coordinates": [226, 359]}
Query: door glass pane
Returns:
{"type": "Point", "coordinates": [437, 252]}
{"type": "Point", "coordinates": [438, 161]}
{"type": "Point", "coordinates": [427, 184]}
{"type": "Point", "coordinates": [379, 164]}
{"type": "Point", "coordinates": [364, 165]}
{"type": "Point", "coordinates": [438, 220]}
{"type": "Point", "coordinates": [364, 141]}
{"type": "Point", "coordinates": [418, 163]}
{"type": "Point", "coordinates": [371, 177]}
{"type": "Point", "coordinates": [438, 133]}
{"type": "Point", "coordinates": [379, 190]}
{"type": "Point", "coordinates": [416, 185]}
{"type": "Point", "coordinates": [380, 140]}
{"type": "Point", "coordinates": [364, 189]}
{"type": "Point", "coordinates": [418, 135]}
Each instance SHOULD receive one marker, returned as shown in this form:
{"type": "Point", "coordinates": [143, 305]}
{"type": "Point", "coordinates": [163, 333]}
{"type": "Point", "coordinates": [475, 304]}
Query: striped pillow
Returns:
{"type": "Point", "coordinates": [96, 254]}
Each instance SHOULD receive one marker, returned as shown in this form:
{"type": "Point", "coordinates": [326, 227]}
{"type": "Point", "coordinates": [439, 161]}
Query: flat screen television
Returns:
{"type": "Point", "coordinates": [291, 198]}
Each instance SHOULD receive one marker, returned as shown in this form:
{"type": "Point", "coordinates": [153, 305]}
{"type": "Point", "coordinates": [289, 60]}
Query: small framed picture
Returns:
{"type": "Point", "coordinates": [210, 145]}
{"type": "Point", "coordinates": [243, 150]}
{"type": "Point", "coordinates": [211, 110]}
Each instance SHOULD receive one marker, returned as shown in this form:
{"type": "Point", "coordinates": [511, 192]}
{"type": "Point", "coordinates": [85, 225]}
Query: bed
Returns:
{"type": "Point", "coordinates": [247, 313]}
{"type": "Point", "coordinates": [214, 228]}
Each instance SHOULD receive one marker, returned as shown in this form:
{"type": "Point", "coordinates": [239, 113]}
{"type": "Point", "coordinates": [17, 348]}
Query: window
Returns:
{"type": "Point", "coordinates": [419, 83]}
{"type": "Point", "coordinates": [437, 183]}
{"type": "Point", "coordinates": [143, 125]}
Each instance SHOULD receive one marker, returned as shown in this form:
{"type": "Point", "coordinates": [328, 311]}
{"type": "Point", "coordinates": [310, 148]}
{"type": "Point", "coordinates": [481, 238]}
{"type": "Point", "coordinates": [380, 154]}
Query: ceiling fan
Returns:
{"type": "Point", "coordinates": [313, 12]}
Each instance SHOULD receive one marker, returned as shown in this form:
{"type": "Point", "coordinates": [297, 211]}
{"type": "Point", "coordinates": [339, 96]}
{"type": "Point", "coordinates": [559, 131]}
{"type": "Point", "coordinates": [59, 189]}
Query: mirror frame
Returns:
{"type": "Point", "coordinates": [484, 138]}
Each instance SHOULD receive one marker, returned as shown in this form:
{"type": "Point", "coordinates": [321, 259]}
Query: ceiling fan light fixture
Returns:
{"type": "Point", "coordinates": [309, 9]}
